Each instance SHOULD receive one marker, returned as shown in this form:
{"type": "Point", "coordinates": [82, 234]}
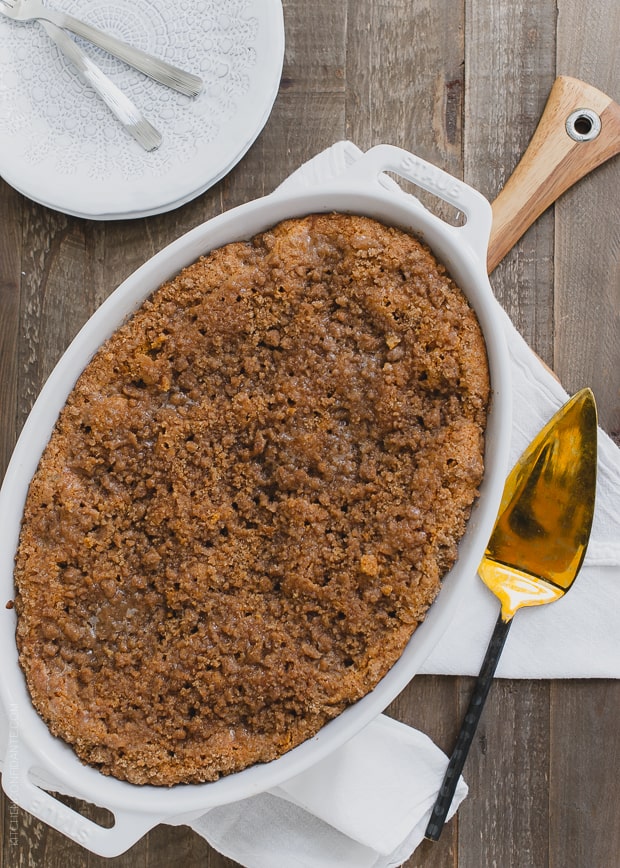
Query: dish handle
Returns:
{"type": "Point", "coordinates": [476, 209]}
{"type": "Point", "coordinates": [129, 826]}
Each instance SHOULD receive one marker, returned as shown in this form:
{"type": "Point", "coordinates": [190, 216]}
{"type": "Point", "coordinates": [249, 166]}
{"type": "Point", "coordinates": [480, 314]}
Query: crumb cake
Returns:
{"type": "Point", "coordinates": [249, 500]}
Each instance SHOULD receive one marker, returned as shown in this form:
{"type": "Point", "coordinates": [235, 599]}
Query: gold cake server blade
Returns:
{"type": "Point", "coordinates": [536, 549]}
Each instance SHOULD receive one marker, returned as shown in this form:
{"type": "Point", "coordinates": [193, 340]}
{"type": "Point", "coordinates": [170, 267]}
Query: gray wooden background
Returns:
{"type": "Point", "coordinates": [462, 83]}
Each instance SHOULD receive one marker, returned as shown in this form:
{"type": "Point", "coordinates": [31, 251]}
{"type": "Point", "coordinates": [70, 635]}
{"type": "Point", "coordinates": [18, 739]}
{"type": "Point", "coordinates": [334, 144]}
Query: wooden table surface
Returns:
{"type": "Point", "coordinates": [462, 84]}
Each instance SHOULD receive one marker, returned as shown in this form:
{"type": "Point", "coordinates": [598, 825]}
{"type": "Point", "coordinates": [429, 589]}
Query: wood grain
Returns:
{"type": "Point", "coordinates": [587, 351]}
{"type": "Point", "coordinates": [10, 294]}
{"type": "Point", "coordinates": [404, 89]}
{"type": "Point", "coordinates": [583, 812]}
{"type": "Point", "coordinates": [587, 251]}
{"type": "Point", "coordinates": [510, 69]}
{"type": "Point", "coordinates": [462, 83]}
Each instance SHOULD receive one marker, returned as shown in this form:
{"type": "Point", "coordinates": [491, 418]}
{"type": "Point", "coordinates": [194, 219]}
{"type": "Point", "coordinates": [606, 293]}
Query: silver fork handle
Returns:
{"type": "Point", "coordinates": [122, 107]}
{"type": "Point", "coordinates": [163, 72]}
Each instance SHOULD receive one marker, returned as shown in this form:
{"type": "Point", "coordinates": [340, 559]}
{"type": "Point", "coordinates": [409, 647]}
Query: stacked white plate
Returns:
{"type": "Point", "coordinates": [61, 146]}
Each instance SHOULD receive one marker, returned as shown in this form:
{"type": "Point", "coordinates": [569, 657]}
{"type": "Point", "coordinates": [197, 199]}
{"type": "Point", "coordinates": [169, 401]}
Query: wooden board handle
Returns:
{"type": "Point", "coordinates": [553, 161]}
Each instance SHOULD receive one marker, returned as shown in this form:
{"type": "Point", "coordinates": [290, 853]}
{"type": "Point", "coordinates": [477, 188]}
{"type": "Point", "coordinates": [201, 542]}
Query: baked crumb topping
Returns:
{"type": "Point", "coordinates": [249, 500]}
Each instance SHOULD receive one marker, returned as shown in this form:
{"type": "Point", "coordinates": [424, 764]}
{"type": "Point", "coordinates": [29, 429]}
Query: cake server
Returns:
{"type": "Point", "coordinates": [165, 73]}
{"type": "Point", "coordinates": [536, 549]}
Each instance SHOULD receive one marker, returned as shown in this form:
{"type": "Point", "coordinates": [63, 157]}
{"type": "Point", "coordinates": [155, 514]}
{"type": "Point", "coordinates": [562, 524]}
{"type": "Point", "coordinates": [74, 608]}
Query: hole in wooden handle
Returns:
{"type": "Point", "coordinates": [583, 125]}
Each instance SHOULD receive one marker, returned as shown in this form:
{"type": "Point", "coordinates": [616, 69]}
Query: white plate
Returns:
{"type": "Point", "coordinates": [61, 146]}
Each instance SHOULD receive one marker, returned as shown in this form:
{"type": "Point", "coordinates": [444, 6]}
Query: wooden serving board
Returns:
{"type": "Point", "coordinates": [554, 161]}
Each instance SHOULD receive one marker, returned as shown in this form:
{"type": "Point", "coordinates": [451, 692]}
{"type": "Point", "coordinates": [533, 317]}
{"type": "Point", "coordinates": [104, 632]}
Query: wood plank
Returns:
{"type": "Point", "coordinates": [405, 77]}
{"type": "Point", "coordinates": [583, 823]}
{"type": "Point", "coordinates": [405, 81]}
{"type": "Point", "coordinates": [10, 287]}
{"type": "Point", "coordinates": [584, 830]}
{"type": "Point", "coordinates": [308, 115]}
{"type": "Point", "coordinates": [499, 823]}
{"type": "Point", "coordinates": [509, 70]}
{"type": "Point", "coordinates": [587, 301]}
{"type": "Point", "coordinates": [587, 254]}
{"type": "Point", "coordinates": [53, 258]}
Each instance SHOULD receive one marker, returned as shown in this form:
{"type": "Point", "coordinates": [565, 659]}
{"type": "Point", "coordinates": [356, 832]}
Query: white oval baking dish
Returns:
{"type": "Point", "coordinates": [362, 189]}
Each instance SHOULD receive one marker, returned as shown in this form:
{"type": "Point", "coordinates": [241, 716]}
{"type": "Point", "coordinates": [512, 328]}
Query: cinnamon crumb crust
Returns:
{"type": "Point", "coordinates": [249, 500]}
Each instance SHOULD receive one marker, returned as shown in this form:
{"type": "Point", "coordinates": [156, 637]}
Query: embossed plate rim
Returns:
{"type": "Point", "coordinates": [150, 191]}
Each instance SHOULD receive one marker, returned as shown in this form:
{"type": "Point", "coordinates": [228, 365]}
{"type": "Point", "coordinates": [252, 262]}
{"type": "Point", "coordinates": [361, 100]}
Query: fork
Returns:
{"type": "Point", "coordinates": [165, 73]}
{"type": "Point", "coordinates": [119, 104]}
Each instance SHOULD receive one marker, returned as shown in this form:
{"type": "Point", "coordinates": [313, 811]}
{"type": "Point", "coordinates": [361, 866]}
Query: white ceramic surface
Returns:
{"type": "Point", "coordinates": [61, 146]}
{"type": "Point", "coordinates": [463, 251]}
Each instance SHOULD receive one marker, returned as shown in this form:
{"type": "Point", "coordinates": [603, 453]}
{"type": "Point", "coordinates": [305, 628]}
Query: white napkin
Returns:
{"type": "Point", "coordinates": [367, 805]}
